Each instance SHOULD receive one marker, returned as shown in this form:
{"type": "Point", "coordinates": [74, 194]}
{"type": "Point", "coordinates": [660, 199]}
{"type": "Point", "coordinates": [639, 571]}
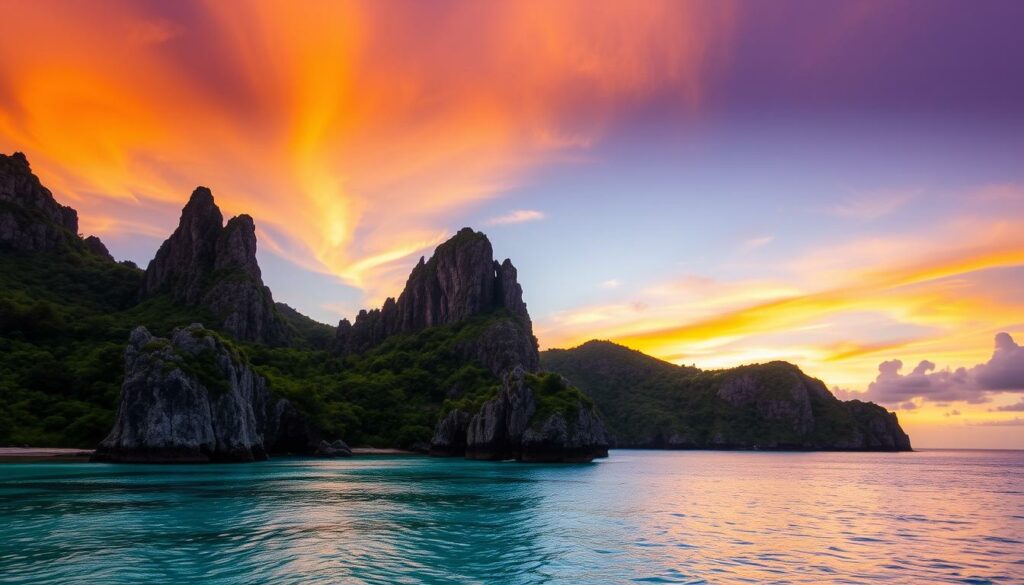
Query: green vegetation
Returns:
{"type": "Point", "coordinates": [391, 395]}
{"type": "Point", "coordinates": [555, 396]}
{"type": "Point", "coordinates": [649, 402]}
{"type": "Point", "coordinates": [64, 323]}
{"type": "Point", "coordinates": [305, 332]}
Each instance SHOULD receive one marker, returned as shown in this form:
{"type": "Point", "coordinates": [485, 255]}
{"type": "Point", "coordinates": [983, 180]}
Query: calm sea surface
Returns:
{"type": "Point", "coordinates": [656, 517]}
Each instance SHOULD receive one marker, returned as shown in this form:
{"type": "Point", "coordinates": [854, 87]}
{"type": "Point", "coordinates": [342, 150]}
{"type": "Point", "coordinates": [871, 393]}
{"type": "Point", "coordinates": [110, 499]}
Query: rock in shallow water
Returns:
{"type": "Point", "coordinates": [518, 424]}
{"type": "Point", "coordinates": [192, 398]}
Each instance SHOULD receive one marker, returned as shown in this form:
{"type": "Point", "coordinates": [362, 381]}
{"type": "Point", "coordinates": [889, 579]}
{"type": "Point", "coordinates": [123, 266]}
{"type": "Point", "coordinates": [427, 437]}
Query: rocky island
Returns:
{"type": "Point", "coordinates": [652, 404]}
{"type": "Point", "coordinates": [99, 351]}
{"type": "Point", "coordinates": [193, 398]}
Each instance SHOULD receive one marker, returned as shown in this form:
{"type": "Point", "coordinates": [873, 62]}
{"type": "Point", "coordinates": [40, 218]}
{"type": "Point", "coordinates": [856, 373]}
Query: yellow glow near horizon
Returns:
{"type": "Point", "coordinates": [934, 295]}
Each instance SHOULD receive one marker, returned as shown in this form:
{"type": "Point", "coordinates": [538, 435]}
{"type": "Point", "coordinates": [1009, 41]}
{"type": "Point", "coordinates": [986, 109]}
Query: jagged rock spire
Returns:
{"type": "Point", "coordinates": [461, 280]}
{"type": "Point", "coordinates": [211, 265]}
{"type": "Point", "coordinates": [186, 259]}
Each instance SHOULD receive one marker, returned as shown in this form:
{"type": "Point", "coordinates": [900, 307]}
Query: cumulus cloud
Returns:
{"type": "Point", "coordinates": [517, 216]}
{"type": "Point", "coordinates": [1003, 373]}
{"type": "Point", "coordinates": [612, 283]}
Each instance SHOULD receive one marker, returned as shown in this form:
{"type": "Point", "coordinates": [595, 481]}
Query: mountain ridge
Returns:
{"type": "Point", "coordinates": [450, 366]}
{"type": "Point", "coordinates": [650, 403]}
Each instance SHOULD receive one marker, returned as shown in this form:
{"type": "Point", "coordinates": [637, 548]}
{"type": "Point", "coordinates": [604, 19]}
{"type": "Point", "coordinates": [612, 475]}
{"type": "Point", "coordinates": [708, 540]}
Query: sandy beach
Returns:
{"type": "Point", "coordinates": [24, 454]}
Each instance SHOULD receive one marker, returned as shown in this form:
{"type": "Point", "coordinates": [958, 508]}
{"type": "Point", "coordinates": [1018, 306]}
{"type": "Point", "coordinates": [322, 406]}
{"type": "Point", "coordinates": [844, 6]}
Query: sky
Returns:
{"type": "Point", "coordinates": [836, 184]}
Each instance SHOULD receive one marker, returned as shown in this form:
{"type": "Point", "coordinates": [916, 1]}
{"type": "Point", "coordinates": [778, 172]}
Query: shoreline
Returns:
{"type": "Point", "coordinates": [27, 454]}
{"type": "Point", "coordinates": [55, 454]}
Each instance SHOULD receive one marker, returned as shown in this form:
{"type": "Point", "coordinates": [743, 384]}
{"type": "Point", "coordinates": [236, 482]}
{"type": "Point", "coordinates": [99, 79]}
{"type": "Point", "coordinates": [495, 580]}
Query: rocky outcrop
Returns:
{"type": "Point", "coordinates": [333, 450]}
{"type": "Point", "coordinates": [31, 220]}
{"type": "Point", "coordinates": [649, 403]}
{"type": "Point", "coordinates": [213, 266]}
{"type": "Point", "coordinates": [876, 429]}
{"type": "Point", "coordinates": [450, 435]}
{"type": "Point", "coordinates": [518, 424]}
{"type": "Point", "coordinates": [794, 411]}
{"type": "Point", "coordinates": [573, 437]}
{"type": "Point", "coordinates": [503, 345]}
{"type": "Point", "coordinates": [192, 398]}
{"type": "Point", "coordinates": [790, 404]}
{"type": "Point", "coordinates": [460, 281]}
{"type": "Point", "coordinates": [96, 246]}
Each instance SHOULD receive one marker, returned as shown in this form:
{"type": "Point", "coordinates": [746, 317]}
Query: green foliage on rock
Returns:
{"type": "Point", "coordinates": [647, 402]}
{"type": "Point", "coordinates": [390, 395]}
{"type": "Point", "coordinates": [64, 324]}
{"type": "Point", "coordinates": [555, 396]}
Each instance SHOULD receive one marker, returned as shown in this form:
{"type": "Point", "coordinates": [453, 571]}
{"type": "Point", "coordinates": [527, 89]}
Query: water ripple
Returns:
{"type": "Point", "coordinates": [686, 517]}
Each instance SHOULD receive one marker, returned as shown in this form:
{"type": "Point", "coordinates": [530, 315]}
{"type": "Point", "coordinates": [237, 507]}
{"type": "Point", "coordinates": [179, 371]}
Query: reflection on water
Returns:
{"type": "Point", "coordinates": [664, 517]}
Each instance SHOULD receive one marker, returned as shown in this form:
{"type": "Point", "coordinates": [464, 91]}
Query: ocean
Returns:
{"type": "Point", "coordinates": [638, 516]}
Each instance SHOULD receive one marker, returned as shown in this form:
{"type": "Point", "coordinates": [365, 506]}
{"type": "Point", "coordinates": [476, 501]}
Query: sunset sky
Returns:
{"type": "Point", "coordinates": [837, 184]}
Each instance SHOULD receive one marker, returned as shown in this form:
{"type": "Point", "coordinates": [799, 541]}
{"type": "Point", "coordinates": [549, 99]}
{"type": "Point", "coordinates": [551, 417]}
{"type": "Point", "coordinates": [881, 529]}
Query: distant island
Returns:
{"type": "Point", "coordinates": [192, 360]}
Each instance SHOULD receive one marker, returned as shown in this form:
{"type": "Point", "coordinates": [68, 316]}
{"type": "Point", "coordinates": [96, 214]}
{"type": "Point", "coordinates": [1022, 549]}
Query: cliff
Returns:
{"type": "Point", "coordinates": [207, 264]}
{"type": "Point", "coordinates": [649, 403]}
{"type": "Point", "coordinates": [460, 281]}
{"type": "Point", "coordinates": [536, 418]}
{"type": "Point", "coordinates": [461, 310]}
{"type": "Point", "coordinates": [193, 398]}
{"type": "Point", "coordinates": [31, 220]}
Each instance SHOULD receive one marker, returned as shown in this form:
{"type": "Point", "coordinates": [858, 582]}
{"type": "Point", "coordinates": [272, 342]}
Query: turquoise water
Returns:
{"type": "Point", "coordinates": [658, 517]}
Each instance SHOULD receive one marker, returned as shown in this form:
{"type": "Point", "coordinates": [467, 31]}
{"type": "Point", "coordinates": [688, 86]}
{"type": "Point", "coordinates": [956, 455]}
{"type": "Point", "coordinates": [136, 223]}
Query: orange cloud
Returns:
{"type": "Point", "coordinates": [935, 304]}
{"type": "Point", "coordinates": [351, 130]}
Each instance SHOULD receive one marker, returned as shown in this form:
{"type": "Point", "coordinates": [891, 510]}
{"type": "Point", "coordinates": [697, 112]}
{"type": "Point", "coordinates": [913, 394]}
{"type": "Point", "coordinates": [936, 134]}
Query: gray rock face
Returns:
{"type": "Point", "coordinates": [30, 219]}
{"type": "Point", "coordinates": [193, 399]}
{"type": "Point", "coordinates": [558, 439]}
{"type": "Point", "coordinates": [509, 427]}
{"type": "Point", "coordinates": [505, 344]}
{"type": "Point", "coordinates": [791, 406]}
{"type": "Point", "coordinates": [877, 428]}
{"type": "Point", "coordinates": [210, 265]}
{"type": "Point", "coordinates": [496, 432]}
{"type": "Point", "coordinates": [803, 412]}
{"type": "Point", "coordinates": [461, 280]}
{"type": "Point", "coordinates": [450, 435]}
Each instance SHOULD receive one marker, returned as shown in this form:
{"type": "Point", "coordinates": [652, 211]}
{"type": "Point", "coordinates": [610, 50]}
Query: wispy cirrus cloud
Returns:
{"type": "Point", "coordinates": [923, 295]}
{"type": "Point", "coordinates": [1013, 422]}
{"type": "Point", "coordinates": [315, 119]}
{"type": "Point", "coordinates": [755, 243]}
{"type": "Point", "coordinates": [872, 204]}
{"type": "Point", "coordinates": [517, 216]}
